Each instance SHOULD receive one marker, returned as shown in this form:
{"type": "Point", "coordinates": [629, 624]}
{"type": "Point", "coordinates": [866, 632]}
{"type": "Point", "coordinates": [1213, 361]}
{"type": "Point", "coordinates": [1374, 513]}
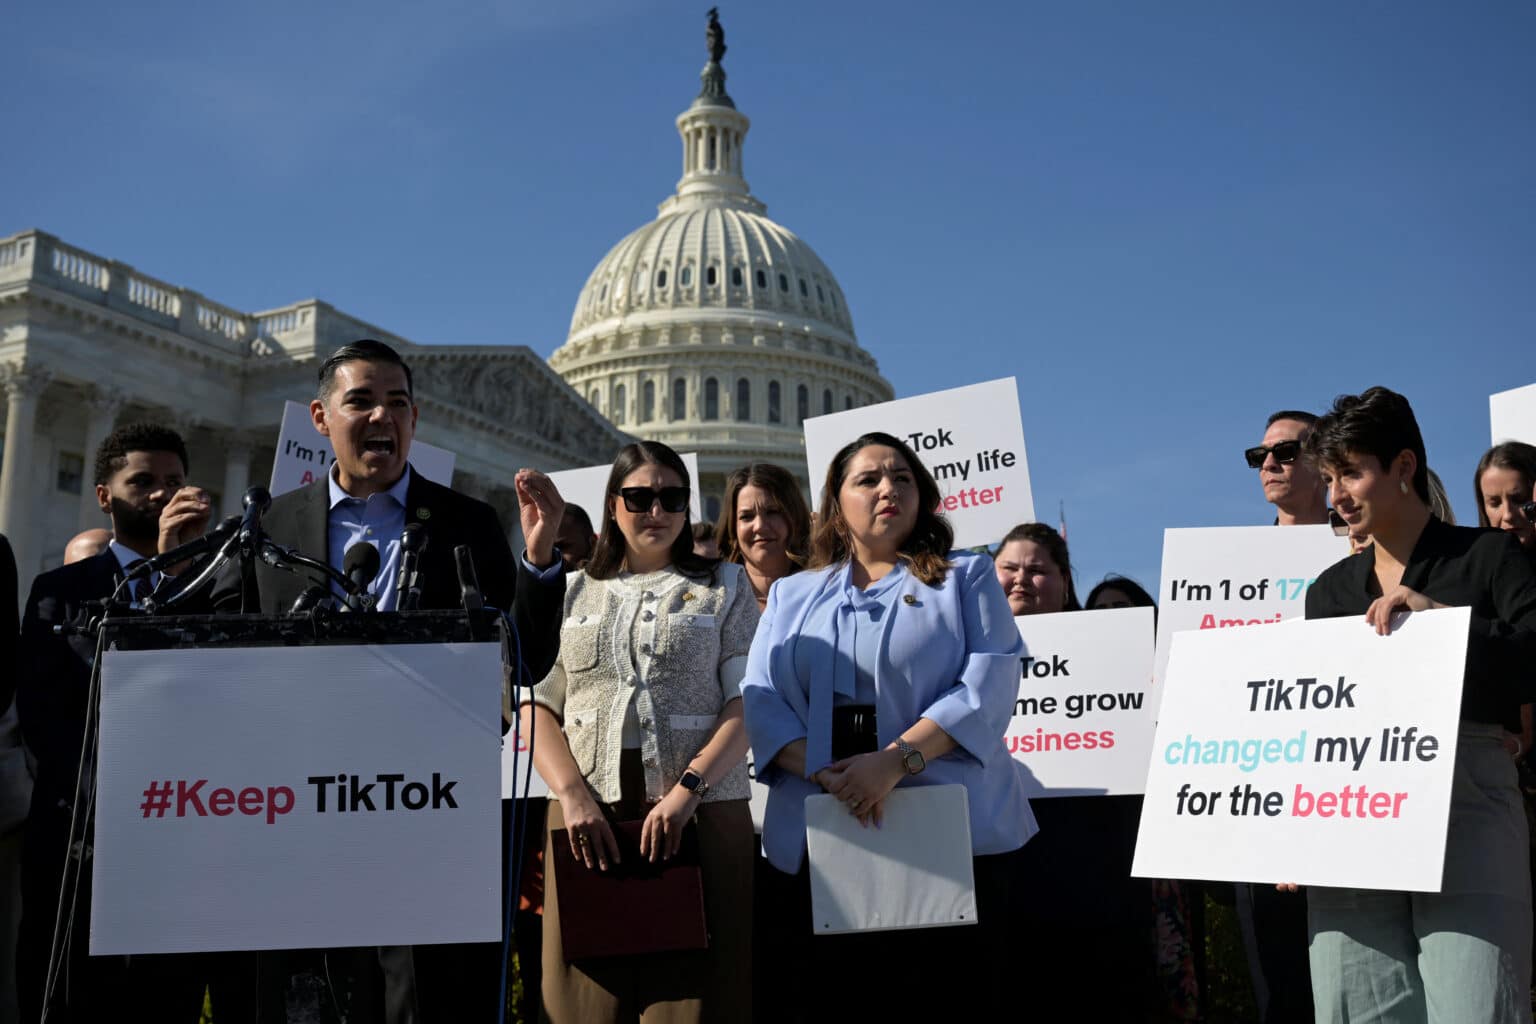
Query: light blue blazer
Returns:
{"type": "Point", "coordinates": [948, 653]}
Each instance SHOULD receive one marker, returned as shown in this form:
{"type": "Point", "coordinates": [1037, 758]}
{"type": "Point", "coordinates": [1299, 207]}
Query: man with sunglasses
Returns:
{"type": "Point", "coordinates": [1290, 483]}
{"type": "Point", "coordinates": [1274, 924]}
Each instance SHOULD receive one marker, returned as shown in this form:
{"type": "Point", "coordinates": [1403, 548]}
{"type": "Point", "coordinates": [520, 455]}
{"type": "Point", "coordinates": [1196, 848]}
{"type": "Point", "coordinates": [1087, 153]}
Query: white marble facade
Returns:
{"type": "Point", "coordinates": [88, 343]}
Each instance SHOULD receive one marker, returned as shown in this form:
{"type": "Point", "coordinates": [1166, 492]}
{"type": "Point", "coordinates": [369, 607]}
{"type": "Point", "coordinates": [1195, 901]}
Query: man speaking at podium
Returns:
{"type": "Point", "coordinates": [365, 406]}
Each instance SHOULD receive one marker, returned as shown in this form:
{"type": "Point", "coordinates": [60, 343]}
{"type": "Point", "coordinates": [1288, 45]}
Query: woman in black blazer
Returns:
{"type": "Point", "coordinates": [1463, 953]}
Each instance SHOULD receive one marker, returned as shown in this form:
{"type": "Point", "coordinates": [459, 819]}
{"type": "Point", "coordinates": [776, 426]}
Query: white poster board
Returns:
{"type": "Point", "coordinates": [298, 797]}
{"type": "Point", "coordinates": [1512, 415]}
{"type": "Point", "coordinates": [1220, 577]}
{"type": "Point", "coordinates": [515, 758]}
{"type": "Point", "coordinates": [971, 439]}
{"type": "Point", "coordinates": [304, 455]}
{"type": "Point", "coordinates": [588, 487]}
{"type": "Point", "coordinates": [1082, 723]}
{"type": "Point", "coordinates": [1316, 752]}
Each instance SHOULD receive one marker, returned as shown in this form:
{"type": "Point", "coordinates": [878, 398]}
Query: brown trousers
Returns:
{"type": "Point", "coordinates": [712, 984]}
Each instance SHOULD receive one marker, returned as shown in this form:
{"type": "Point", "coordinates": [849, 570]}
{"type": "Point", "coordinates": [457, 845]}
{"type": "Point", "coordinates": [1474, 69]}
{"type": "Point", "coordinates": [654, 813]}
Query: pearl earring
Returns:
{"type": "Point", "coordinates": [1403, 486]}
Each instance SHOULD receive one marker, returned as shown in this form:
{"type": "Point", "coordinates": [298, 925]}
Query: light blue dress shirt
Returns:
{"type": "Point", "coordinates": [948, 653]}
{"type": "Point", "coordinates": [378, 520]}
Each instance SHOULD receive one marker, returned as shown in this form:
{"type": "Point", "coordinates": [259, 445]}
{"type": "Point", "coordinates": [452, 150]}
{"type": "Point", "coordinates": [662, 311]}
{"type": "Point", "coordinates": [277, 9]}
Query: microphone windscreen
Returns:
{"type": "Point", "coordinates": [258, 496]}
{"type": "Point", "coordinates": [414, 538]}
{"type": "Point", "coordinates": [361, 563]}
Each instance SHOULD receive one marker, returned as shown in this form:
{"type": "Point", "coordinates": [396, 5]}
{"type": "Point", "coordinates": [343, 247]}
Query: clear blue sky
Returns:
{"type": "Point", "coordinates": [1165, 219]}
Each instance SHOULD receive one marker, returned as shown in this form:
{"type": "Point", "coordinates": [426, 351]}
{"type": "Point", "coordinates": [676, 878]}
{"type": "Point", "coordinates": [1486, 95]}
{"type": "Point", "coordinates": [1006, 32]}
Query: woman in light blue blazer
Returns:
{"type": "Point", "coordinates": [893, 662]}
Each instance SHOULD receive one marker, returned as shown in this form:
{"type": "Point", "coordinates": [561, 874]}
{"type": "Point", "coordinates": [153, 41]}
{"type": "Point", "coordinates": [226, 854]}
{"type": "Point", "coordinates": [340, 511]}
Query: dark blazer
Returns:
{"type": "Point", "coordinates": [300, 519]}
{"type": "Point", "coordinates": [8, 622]}
{"type": "Point", "coordinates": [55, 671]}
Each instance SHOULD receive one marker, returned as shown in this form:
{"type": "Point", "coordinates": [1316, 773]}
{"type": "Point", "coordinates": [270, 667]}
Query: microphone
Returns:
{"type": "Point", "coordinates": [255, 502]}
{"type": "Point", "coordinates": [312, 598]}
{"type": "Point", "coordinates": [469, 583]}
{"type": "Point", "coordinates": [413, 541]}
{"type": "Point", "coordinates": [191, 549]}
{"type": "Point", "coordinates": [361, 565]}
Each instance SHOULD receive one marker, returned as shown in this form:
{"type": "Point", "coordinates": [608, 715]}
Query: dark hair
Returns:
{"type": "Point", "coordinates": [137, 437]}
{"type": "Point", "coordinates": [1127, 586]}
{"type": "Point", "coordinates": [608, 557]}
{"type": "Point", "coordinates": [1515, 455]}
{"type": "Point", "coordinates": [1291, 414]}
{"type": "Point", "coordinates": [579, 514]}
{"type": "Point", "coordinates": [926, 548]}
{"type": "Point", "coordinates": [703, 532]}
{"type": "Point", "coordinates": [781, 486]}
{"type": "Point", "coordinates": [369, 351]}
{"type": "Point", "coordinates": [1056, 545]}
{"type": "Point", "coordinates": [1376, 422]}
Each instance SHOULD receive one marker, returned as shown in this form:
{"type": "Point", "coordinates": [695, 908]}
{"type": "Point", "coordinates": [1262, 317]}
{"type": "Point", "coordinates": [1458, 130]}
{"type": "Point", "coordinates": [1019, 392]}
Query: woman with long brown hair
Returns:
{"type": "Point", "coordinates": [892, 661]}
{"type": "Point", "coordinates": [764, 525]}
{"type": "Point", "coordinates": [641, 720]}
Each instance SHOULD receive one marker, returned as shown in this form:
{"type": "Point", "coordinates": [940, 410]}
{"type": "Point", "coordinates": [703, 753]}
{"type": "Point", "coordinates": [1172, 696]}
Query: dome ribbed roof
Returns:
{"type": "Point", "coordinates": [712, 256]}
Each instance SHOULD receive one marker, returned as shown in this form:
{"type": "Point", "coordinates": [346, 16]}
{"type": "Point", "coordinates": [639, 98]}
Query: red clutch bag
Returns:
{"type": "Point", "coordinates": [633, 907]}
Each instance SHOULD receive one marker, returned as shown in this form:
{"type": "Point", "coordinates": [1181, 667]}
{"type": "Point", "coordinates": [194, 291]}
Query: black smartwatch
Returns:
{"type": "Point", "coordinates": [694, 783]}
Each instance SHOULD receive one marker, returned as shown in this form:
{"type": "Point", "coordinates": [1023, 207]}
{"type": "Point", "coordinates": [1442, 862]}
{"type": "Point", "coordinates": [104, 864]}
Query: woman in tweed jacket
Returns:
{"type": "Point", "coordinates": [640, 718]}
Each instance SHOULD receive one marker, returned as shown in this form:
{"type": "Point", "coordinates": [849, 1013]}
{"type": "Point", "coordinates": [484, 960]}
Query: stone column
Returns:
{"type": "Point", "coordinates": [102, 405]}
{"type": "Point", "coordinates": [23, 388]}
{"type": "Point", "coordinates": [237, 474]}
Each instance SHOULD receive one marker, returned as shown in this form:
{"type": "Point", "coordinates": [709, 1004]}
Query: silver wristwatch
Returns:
{"type": "Point", "coordinates": [912, 759]}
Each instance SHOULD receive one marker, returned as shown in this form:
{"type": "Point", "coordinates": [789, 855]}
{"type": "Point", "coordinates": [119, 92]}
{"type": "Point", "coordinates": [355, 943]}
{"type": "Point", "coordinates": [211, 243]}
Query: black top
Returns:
{"type": "Point", "coordinates": [8, 617]}
{"type": "Point", "coordinates": [1463, 567]}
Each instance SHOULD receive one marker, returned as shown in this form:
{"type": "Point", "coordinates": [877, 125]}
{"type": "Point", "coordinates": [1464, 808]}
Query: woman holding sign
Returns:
{"type": "Point", "coordinates": [1094, 921]}
{"type": "Point", "coordinates": [638, 729]}
{"type": "Point", "coordinates": [893, 662]}
{"type": "Point", "coordinates": [1463, 953]}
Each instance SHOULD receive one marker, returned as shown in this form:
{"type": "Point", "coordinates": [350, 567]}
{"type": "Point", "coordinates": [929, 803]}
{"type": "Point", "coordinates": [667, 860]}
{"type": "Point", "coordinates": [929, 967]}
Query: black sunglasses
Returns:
{"type": "Point", "coordinates": [1285, 453]}
{"type": "Point", "coordinates": [640, 499]}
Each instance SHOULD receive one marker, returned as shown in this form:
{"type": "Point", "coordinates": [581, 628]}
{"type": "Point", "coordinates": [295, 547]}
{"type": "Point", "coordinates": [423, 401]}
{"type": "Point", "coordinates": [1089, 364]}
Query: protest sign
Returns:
{"type": "Point", "coordinates": [971, 439]}
{"type": "Point", "coordinates": [304, 454]}
{"type": "Point", "coordinates": [296, 797]}
{"type": "Point", "coordinates": [1082, 724]}
{"type": "Point", "coordinates": [1512, 414]}
{"type": "Point", "coordinates": [1314, 752]}
{"type": "Point", "coordinates": [588, 487]}
{"type": "Point", "coordinates": [1228, 576]}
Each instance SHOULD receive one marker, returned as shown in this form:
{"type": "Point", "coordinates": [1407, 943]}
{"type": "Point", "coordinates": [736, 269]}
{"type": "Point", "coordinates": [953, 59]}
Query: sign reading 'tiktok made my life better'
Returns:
{"type": "Point", "coordinates": [971, 439]}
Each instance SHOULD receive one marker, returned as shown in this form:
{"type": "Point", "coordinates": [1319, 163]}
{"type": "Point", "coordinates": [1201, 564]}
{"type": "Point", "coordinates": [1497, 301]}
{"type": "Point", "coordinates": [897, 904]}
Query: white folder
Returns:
{"type": "Point", "coordinates": [914, 871]}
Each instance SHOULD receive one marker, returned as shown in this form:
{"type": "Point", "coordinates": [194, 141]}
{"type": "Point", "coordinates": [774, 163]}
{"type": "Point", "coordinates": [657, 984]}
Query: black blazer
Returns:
{"type": "Point", "coordinates": [1460, 566]}
{"type": "Point", "coordinates": [55, 671]}
{"type": "Point", "coordinates": [301, 519]}
{"type": "Point", "coordinates": [8, 617]}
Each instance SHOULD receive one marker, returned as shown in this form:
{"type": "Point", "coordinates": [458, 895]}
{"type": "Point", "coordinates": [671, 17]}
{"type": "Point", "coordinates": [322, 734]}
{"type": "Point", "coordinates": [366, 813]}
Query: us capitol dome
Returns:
{"type": "Point", "coordinates": [713, 328]}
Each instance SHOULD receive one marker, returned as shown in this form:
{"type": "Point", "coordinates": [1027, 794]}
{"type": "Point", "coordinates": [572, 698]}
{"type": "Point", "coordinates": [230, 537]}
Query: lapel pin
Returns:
{"type": "Point", "coordinates": [423, 513]}
{"type": "Point", "coordinates": [909, 599]}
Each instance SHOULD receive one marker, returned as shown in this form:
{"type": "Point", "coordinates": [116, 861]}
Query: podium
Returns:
{"type": "Point", "coordinates": [296, 782]}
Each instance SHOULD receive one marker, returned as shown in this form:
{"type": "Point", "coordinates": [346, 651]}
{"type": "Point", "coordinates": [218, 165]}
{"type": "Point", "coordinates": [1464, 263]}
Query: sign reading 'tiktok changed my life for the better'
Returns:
{"type": "Point", "coordinates": [1314, 752]}
{"type": "Point", "coordinates": [971, 439]}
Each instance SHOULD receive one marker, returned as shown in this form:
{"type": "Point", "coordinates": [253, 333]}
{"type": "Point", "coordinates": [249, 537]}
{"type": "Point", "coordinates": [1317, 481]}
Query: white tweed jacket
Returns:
{"type": "Point", "coordinates": [675, 647]}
